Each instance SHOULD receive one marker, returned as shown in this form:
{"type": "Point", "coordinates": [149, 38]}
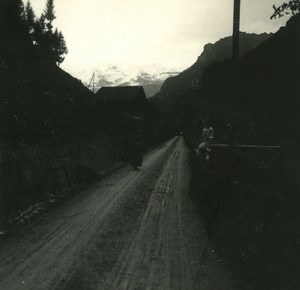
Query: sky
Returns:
{"type": "Point", "coordinates": [169, 33]}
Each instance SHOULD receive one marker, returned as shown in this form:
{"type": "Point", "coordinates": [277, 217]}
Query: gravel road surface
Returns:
{"type": "Point", "coordinates": [135, 229]}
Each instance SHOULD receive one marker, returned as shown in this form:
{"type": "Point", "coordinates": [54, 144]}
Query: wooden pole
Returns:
{"type": "Point", "coordinates": [92, 81]}
{"type": "Point", "coordinates": [236, 30]}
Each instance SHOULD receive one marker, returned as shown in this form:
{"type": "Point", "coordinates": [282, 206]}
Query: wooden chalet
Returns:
{"type": "Point", "coordinates": [128, 99]}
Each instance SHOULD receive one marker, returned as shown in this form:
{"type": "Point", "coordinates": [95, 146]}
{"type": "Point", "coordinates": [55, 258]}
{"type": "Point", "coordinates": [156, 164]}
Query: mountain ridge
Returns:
{"type": "Point", "coordinates": [218, 51]}
{"type": "Point", "coordinates": [151, 77]}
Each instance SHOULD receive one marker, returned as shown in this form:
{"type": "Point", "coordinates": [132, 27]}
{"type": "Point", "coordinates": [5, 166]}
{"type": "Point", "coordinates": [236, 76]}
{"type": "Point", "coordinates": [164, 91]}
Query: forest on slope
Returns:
{"type": "Point", "coordinates": [54, 136]}
{"type": "Point", "coordinates": [38, 99]}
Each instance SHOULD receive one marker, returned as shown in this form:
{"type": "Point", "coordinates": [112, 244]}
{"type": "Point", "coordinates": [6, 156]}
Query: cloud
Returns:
{"type": "Point", "coordinates": [170, 32]}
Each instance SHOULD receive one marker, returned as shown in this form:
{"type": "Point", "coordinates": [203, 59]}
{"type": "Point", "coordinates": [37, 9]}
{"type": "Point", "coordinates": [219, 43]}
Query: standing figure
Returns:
{"type": "Point", "coordinates": [203, 149]}
{"type": "Point", "coordinates": [135, 152]}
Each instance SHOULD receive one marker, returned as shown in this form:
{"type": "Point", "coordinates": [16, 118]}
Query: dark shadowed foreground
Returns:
{"type": "Point", "coordinates": [132, 230]}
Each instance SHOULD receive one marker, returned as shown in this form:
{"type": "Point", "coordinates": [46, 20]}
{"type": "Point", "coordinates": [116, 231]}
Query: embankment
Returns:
{"type": "Point", "coordinates": [35, 173]}
{"type": "Point", "coordinates": [251, 209]}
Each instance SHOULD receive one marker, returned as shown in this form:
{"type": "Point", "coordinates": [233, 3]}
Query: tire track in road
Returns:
{"type": "Point", "coordinates": [156, 256]}
{"type": "Point", "coordinates": [53, 247]}
{"type": "Point", "coordinates": [132, 230]}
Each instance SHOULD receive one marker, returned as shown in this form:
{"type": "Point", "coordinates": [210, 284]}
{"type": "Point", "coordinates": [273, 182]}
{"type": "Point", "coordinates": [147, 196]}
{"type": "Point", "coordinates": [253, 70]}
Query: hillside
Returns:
{"type": "Point", "coordinates": [250, 199]}
{"type": "Point", "coordinates": [219, 51]}
{"type": "Point", "coordinates": [54, 137]}
{"type": "Point", "coordinates": [266, 82]}
{"type": "Point", "coordinates": [180, 96]}
{"type": "Point", "coordinates": [35, 94]}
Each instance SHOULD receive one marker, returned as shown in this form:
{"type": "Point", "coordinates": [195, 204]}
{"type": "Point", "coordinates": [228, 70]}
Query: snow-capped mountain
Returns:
{"type": "Point", "coordinates": [151, 77]}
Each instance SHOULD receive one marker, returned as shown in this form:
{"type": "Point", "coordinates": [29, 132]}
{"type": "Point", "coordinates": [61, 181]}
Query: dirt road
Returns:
{"type": "Point", "coordinates": [132, 230]}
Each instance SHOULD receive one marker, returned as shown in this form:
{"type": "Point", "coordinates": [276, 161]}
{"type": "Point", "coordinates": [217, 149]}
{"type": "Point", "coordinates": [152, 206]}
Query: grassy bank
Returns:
{"type": "Point", "coordinates": [249, 203]}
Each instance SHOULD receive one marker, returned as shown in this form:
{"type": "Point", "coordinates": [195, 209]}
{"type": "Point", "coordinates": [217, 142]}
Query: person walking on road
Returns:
{"type": "Point", "coordinates": [135, 152]}
{"type": "Point", "coordinates": [207, 138]}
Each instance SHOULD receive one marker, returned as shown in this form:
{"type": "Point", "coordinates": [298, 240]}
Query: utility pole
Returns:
{"type": "Point", "coordinates": [236, 30]}
{"type": "Point", "coordinates": [92, 80]}
{"type": "Point", "coordinates": [94, 84]}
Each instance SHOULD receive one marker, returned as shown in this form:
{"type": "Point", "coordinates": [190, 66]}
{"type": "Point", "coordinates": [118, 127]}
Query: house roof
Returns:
{"type": "Point", "coordinates": [122, 93]}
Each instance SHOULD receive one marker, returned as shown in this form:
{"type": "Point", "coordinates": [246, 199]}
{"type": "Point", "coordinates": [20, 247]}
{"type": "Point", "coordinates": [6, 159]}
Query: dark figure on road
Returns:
{"type": "Point", "coordinates": [135, 152]}
{"type": "Point", "coordinates": [203, 149]}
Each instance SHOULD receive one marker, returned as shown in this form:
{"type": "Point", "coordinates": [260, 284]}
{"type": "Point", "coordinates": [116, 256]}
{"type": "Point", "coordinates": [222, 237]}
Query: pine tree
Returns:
{"type": "Point", "coordinates": [59, 48]}
{"type": "Point", "coordinates": [63, 50]}
{"type": "Point", "coordinates": [42, 37]}
{"type": "Point", "coordinates": [29, 16]}
{"type": "Point", "coordinates": [12, 11]}
{"type": "Point", "coordinates": [51, 45]}
{"type": "Point", "coordinates": [38, 33]}
{"type": "Point", "coordinates": [19, 8]}
{"type": "Point", "coordinates": [49, 14]}
{"type": "Point", "coordinates": [14, 35]}
{"type": "Point", "coordinates": [42, 22]}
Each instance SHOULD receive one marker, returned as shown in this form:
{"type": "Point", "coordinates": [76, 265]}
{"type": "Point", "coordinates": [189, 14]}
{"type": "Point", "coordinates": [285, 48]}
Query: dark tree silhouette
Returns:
{"type": "Point", "coordinates": [18, 6]}
{"type": "Point", "coordinates": [51, 44]}
{"type": "Point", "coordinates": [49, 14]}
{"type": "Point", "coordinates": [42, 22]}
{"type": "Point", "coordinates": [59, 48]}
{"type": "Point", "coordinates": [41, 38]}
{"type": "Point", "coordinates": [287, 8]}
{"type": "Point", "coordinates": [13, 29]}
{"type": "Point", "coordinates": [29, 16]}
{"type": "Point", "coordinates": [17, 22]}
{"type": "Point", "coordinates": [12, 11]}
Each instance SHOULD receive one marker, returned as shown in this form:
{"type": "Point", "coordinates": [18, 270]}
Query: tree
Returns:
{"type": "Point", "coordinates": [19, 7]}
{"type": "Point", "coordinates": [39, 36]}
{"type": "Point", "coordinates": [12, 11]}
{"type": "Point", "coordinates": [49, 14]}
{"type": "Point", "coordinates": [51, 44]}
{"type": "Point", "coordinates": [287, 8]}
{"type": "Point", "coordinates": [29, 16]}
{"type": "Point", "coordinates": [42, 22]}
{"type": "Point", "coordinates": [59, 48]}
